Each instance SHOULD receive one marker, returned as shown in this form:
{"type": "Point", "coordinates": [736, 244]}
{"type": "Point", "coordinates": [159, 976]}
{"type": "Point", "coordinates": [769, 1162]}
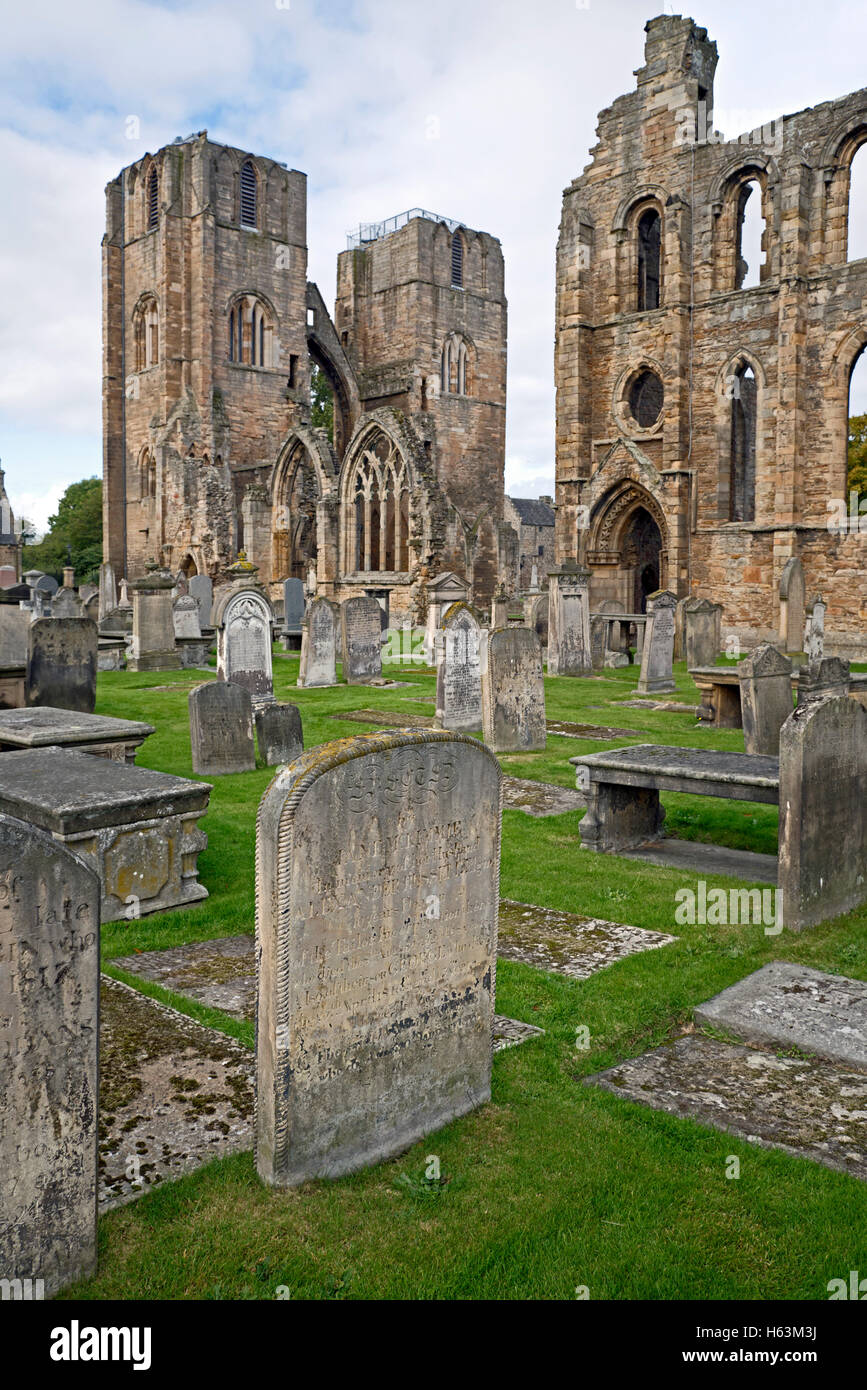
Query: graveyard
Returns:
{"type": "Point", "coordinates": [552, 1185]}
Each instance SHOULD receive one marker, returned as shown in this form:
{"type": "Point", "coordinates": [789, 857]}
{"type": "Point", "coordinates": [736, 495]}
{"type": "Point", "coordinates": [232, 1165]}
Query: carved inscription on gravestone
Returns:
{"type": "Point", "coordinates": [377, 870]}
{"type": "Point", "coordinates": [61, 663]}
{"type": "Point", "coordinates": [49, 989]}
{"type": "Point", "coordinates": [244, 647]}
{"type": "Point", "coordinates": [362, 640]}
{"type": "Point", "coordinates": [221, 729]}
{"type": "Point", "coordinates": [459, 682]}
{"type": "Point", "coordinates": [319, 656]}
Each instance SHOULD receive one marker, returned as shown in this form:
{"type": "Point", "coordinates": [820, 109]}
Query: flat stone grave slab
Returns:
{"type": "Point", "coordinates": [540, 798]}
{"type": "Point", "coordinates": [785, 1005]}
{"type": "Point", "coordinates": [137, 828]}
{"type": "Point", "coordinates": [698, 858]}
{"type": "Point", "coordinates": [664, 706]}
{"type": "Point", "coordinates": [43, 726]}
{"type": "Point", "coordinates": [810, 1107]}
{"type": "Point", "coordinates": [222, 974]}
{"type": "Point", "coordinates": [601, 731]}
{"type": "Point", "coordinates": [173, 1094]}
{"type": "Point", "coordinates": [387, 718]}
{"type": "Point", "coordinates": [566, 943]}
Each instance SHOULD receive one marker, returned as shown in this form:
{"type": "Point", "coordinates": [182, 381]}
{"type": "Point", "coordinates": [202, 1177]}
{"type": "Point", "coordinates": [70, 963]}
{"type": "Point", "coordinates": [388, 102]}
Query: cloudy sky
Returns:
{"type": "Point", "coordinates": [480, 111]}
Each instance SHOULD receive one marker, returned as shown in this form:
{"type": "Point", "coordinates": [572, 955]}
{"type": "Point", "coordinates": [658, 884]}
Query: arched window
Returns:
{"type": "Point", "coordinates": [248, 194]}
{"type": "Point", "coordinates": [750, 236]}
{"type": "Point", "coordinates": [457, 261]}
{"type": "Point", "coordinates": [454, 366]}
{"type": "Point", "coordinates": [250, 332]}
{"type": "Point", "coordinates": [153, 199]}
{"type": "Point", "coordinates": [147, 474]}
{"type": "Point", "coordinates": [646, 396]}
{"type": "Point", "coordinates": [378, 511]}
{"type": "Point", "coordinates": [856, 435]}
{"type": "Point", "coordinates": [649, 239]}
{"type": "Point", "coordinates": [742, 482]}
{"type": "Point", "coordinates": [146, 333]}
{"type": "Point", "coordinates": [856, 240]}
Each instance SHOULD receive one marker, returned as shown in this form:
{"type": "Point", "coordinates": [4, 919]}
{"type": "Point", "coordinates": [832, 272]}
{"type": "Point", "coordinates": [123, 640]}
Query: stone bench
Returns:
{"type": "Point", "coordinates": [43, 726]}
{"type": "Point", "coordinates": [721, 693]}
{"type": "Point", "coordinates": [138, 829]}
{"type": "Point", "coordinates": [622, 788]}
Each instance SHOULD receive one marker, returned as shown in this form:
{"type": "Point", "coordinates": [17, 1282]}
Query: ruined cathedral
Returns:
{"type": "Point", "coordinates": [702, 410]}
{"type": "Point", "coordinates": [210, 327]}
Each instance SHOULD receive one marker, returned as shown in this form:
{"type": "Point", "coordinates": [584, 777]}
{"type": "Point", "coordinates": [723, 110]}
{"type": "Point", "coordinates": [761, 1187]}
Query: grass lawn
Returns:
{"type": "Point", "coordinates": [554, 1184]}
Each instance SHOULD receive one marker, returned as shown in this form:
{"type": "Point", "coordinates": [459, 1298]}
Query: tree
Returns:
{"type": "Point", "coordinates": [321, 400]}
{"type": "Point", "coordinates": [857, 456]}
{"type": "Point", "coordinates": [74, 535]}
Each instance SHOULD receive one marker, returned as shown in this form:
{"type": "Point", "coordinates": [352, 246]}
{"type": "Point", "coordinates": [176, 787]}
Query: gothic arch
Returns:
{"type": "Point", "coordinates": [303, 475]}
{"type": "Point", "coordinates": [610, 518]}
{"type": "Point", "coordinates": [376, 488]}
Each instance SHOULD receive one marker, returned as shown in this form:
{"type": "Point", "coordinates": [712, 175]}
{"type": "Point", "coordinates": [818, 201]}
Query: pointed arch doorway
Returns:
{"type": "Point", "coordinates": [642, 554]}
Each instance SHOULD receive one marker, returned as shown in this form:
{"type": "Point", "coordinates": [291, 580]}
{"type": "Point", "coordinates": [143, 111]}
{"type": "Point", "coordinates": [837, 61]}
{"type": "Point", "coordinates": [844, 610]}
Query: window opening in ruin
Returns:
{"type": "Point", "coordinates": [457, 261]}
{"type": "Point", "coordinates": [750, 255]}
{"type": "Point", "coordinates": [153, 200]}
{"type": "Point", "coordinates": [248, 194]}
{"type": "Point", "coordinates": [649, 230]}
{"type": "Point", "coordinates": [856, 241]}
{"type": "Point", "coordinates": [646, 396]}
{"type": "Point", "coordinates": [856, 440]}
{"type": "Point", "coordinates": [742, 493]}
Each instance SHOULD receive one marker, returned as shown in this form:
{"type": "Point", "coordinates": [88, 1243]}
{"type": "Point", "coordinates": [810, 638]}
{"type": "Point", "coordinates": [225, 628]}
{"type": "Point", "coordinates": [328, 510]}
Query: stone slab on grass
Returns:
{"type": "Point", "coordinates": [566, 729]}
{"type": "Point", "coordinates": [387, 718]}
{"type": "Point", "coordinates": [540, 798]}
{"type": "Point", "coordinates": [173, 1094]}
{"type": "Point", "coordinates": [509, 1032]}
{"type": "Point", "coordinates": [809, 1107]}
{"type": "Point", "coordinates": [567, 943]}
{"type": "Point", "coordinates": [786, 1006]}
{"type": "Point", "coordinates": [663, 706]}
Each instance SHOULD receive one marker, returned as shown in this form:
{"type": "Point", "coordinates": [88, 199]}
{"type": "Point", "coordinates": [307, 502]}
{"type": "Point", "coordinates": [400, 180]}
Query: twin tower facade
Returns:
{"type": "Point", "coordinates": [210, 327]}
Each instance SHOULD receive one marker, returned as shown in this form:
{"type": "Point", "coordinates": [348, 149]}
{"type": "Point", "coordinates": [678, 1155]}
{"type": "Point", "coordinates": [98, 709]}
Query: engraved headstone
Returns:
{"type": "Point", "coordinates": [569, 621]}
{"type": "Point", "coordinates": [185, 617]}
{"type": "Point", "coordinates": [293, 604]}
{"type": "Point", "coordinates": [377, 869]}
{"type": "Point", "coordinates": [14, 630]}
{"type": "Point", "coordinates": [66, 604]}
{"type": "Point", "coordinates": [61, 663]}
{"type": "Point", "coordinates": [814, 645]}
{"type": "Point", "coordinates": [658, 654]}
{"type": "Point", "coordinates": [319, 644]}
{"type": "Point", "coordinates": [221, 729]}
{"type": "Point", "coordinates": [793, 596]}
{"type": "Point", "coordinates": [702, 632]}
{"type": "Point", "coordinates": [766, 698]}
{"type": "Point", "coordinates": [459, 672]}
{"type": "Point", "coordinates": [513, 692]}
{"type": "Point", "coordinates": [279, 734]}
{"type": "Point", "coordinates": [818, 679]}
{"type": "Point", "coordinates": [202, 590]}
{"type": "Point", "coordinates": [49, 991]}
{"type": "Point", "coordinates": [152, 647]}
{"type": "Point", "coordinates": [362, 640]}
{"type": "Point", "coordinates": [243, 618]}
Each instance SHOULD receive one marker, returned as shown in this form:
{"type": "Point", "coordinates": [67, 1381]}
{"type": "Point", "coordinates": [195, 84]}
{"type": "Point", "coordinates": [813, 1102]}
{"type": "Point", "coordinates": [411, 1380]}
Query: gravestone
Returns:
{"type": "Point", "coordinates": [49, 991]}
{"type": "Point", "coordinates": [221, 729]}
{"type": "Point", "coordinates": [702, 632]}
{"type": "Point", "coordinates": [442, 591]}
{"type": "Point", "coordinates": [362, 640]}
{"type": "Point", "coordinates": [319, 644]}
{"type": "Point", "coordinates": [500, 604]}
{"type": "Point", "coordinates": [279, 734]}
{"type": "Point", "coordinates": [513, 692]}
{"type": "Point", "coordinates": [536, 611]}
{"type": "Point", "coordinates": [152, 646]}
{"type": "Point", "coordinates": [377, 871]}
{"type": "Point", "coordinates": [658, 653]}
{"type": "Point", "coordinates": [823, 811]}
{"type": "Point", "coordinates": [569, 621]}
{"type": "Point", "coordinates": [293, 604]}
{"type": "Point", "coordinates": [814, 644]}
{"type": "Point", "coordinates": [766, 698]}
{"type": "Point", "coordinates": [819, 679]}
{"type": "Point", "coordinates": [61, 663]}
{"type": "Point", "coordinates": [14, 630]}
{"type": "Point", "coordinates": [243, 619]}
{"type": "Point", "coordinates": [202, 590]}
{"type": "Point", "coordinates": [793, 595]}
{"type": "Point", "coordinates": [459, 679]}
{"type": "Point", "coordinates": [107, 590]}
{"type": "Point", "coordinates": [185, 618]}
{"type": "Point", "coordinates": [66, 604]}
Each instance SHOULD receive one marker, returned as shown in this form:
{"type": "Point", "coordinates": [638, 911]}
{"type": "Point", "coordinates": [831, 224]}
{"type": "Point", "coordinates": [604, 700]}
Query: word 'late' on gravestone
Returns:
{"type": "Point", "coordinates": [221, 729]}
{"type": "Point", "coordinates": [279, 734]}
{"type": "Point", "coordinates": [459, 672]}
{"type": "Point", "coordinates": [49, 998]}
{"type": "Point", "coordinates": [513, 692]}
{"type": "Point", "coordinates": [377, 880]}
{"type": "Point", "coordinates": [61, 663]}
{"type": "Point", "coordinates": [318, 664]}
{"type": "Point", "coordinates": [362, 640]}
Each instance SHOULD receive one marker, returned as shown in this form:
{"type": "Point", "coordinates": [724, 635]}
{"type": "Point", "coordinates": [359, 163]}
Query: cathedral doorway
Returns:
{"type": "Point", "coordinates": [296, 494]}
{"type": "Point", "coordinates": [642, 547]}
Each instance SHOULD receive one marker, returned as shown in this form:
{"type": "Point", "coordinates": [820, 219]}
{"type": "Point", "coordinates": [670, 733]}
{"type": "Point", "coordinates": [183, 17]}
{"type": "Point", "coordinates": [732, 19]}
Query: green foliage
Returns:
{"type": "Point", "coordinates": [857, 455]}
{"type": "Point", "coordinates": [321, 400]}
{"type": "Point", "coordinates": [74, 535]}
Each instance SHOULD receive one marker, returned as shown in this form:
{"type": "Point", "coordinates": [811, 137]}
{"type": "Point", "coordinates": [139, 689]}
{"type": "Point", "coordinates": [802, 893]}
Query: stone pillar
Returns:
{"type": "Point", "coordinates": [569, 621]}
{"type": "Point", "coordinates": [152, 647]}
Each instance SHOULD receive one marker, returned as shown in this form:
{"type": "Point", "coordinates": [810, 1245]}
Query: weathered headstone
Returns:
{"type": "Point", "coordinates": [279, 734]}
{"type": "Point", "coordinates": [107, 590]}
{"type": "Point", "coordinates": [702, 632]}
{"type": "Point", "coordinates": [819, 679]}
{"type": "Point", "coordinates": [152, 647]}
{"type": "Point", "coordinates": [766, 698]}
{"type": "Point", "coordinates": [243, 619]}
{"type": "Point", "coordinates": [500, 605]}
{"type": "Point", "coordinates": [823, 811]}
{"type": "Point", "coordinates": [569, 621]}
{"type": "Point", "coordinates": [61, 663]}
{"type": "Point", "coordinates": [362, 640]}
{"type": "Point", "coordinates": [459, 678]}
{"type": "Point", "coordinates": [793, 594]}
{"type": "Point", "coordinates": [14, 629]}
{"type": "Point", "coordinates": [658, 654]}
{"type": "Point", "coordinates": [319, 644]}
{"type": "Point", "coordinates": [513, 692]}
{"type": "Point", "coordinates": [202, 590]}
{"type": "Point", "coordinates": [814, 646]}
{"type": "Point", "coordinates": [221, 729]}
{"type": "Point", "coordinates": [49, 992]}
{"type": "Point", "coordinates": [442, 591]}
{"type": "Point", "coordinates": [377, 870]}
{"type": "Point", "coordinates": [293, 604]}
{"type": "Point", "coordinates": [66, 604]}
{"type": "Point", "coordinates": [185, 618]}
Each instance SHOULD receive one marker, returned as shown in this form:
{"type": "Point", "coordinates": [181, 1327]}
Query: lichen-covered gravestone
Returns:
{"type": "Point", "coordinates": [221, 729]}
{"type": "Point", "coordinates": [377, 884]}
{"type": "Point", "coordinates": [569, 621]}
{"type": "Point", "coordinates": [766, 698]}
{"type": "Point", "coordinates": [819, 679]}
{"type": "Point", "coordinates": [185, 616]}
{"type": "Point", "coordinates": [49, 991]}
{"type": "Point", "coordinates": [362, 640]}
{"type": "Point", "coordinates": [658, 654]}
{"type": "Point", "coordinates": [459, 679]}
{"type": "Point", "coordinates": [202, 590]}
{"type": "Point", "coordinates": [513, 692]}
{"type": "Point", "coordinates": [279, 734]}
{"type": "Point", "coordinates": [62, 663]}
{"type": "Point", "coordinates": [702, 632]}
{"type": "Point", "coordinates": [319, 644]}
{"type": "Point", "coordinates": [244, 643]}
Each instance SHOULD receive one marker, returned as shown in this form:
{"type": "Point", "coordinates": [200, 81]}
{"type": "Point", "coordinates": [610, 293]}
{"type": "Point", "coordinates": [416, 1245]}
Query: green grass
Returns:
{"type": "Point", "coordinates": [554, 1184]}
